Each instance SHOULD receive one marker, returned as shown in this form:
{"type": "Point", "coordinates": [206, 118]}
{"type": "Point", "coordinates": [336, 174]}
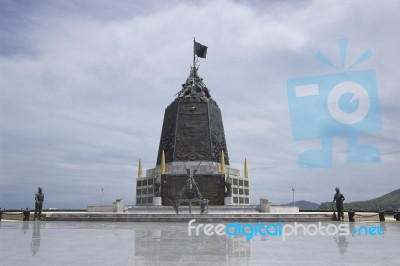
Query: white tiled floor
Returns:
{"type": "Point", "coordinates": [95, 243]}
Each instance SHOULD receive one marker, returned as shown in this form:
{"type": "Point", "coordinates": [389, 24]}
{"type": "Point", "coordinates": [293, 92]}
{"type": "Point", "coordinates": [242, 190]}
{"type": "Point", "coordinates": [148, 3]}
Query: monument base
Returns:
{"type": "Point", "coordinates": [228, 201]}
{"type": "Point", "coordinates": [157, 201]}
{"type": "Point", "coordinates": [210, 182]}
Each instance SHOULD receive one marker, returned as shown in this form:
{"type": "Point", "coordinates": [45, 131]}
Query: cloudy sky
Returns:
{"type": "Point", "coordinates": [84, 86]}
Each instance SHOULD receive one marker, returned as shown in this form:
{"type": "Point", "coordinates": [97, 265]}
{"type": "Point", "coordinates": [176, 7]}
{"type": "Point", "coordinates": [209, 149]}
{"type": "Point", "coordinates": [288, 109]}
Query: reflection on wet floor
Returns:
{"type": "Point", "coordinates": [35, 244]}
{"type": "Point", "coordinates": [86, 243]}
{"type": "Point", "coordinates": [175, 246]}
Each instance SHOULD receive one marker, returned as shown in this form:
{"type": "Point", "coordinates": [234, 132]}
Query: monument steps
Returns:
{"type": "Point", "coordinates": [195, 209]}
{"type": "Point", "coordinates": [186, 217]}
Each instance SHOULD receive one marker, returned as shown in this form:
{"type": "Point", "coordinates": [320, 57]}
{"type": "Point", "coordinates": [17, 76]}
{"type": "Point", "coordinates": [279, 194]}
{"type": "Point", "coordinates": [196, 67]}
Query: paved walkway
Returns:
{"type": "Point", "coordinates": [106, 243]}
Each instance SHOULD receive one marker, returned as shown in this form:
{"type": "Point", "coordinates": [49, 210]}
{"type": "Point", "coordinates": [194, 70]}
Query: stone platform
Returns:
{"type": "Point", "coordinates": [245, 213]}
{"type": "Point", "coordinates": [186, 217]}
{"type": "Point", "coordinates": [249, 213]}
{"type": "Point", "coordinates": [195, 209]}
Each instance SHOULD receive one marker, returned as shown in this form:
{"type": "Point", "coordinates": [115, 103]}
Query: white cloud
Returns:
{"type": "Point", "coordinates": [83, 92]}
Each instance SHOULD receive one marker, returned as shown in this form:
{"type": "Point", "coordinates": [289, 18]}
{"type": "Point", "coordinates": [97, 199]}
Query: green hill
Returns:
{"type": "Point", "coordinates": [304, 205]}
{"type": "Point", "coordinates": [390, 201]}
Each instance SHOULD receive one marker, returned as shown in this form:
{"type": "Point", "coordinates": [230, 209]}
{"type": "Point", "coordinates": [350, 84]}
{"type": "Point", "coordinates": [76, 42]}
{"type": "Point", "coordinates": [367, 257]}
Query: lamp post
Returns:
{"type": "Point", "coordinates": [102, 191]}
{"type": "Point", "coordinates": [293, 195]}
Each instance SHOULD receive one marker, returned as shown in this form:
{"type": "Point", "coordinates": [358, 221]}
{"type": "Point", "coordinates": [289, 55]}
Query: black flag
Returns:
{"type": "Point", "coordinates": [200, 50]}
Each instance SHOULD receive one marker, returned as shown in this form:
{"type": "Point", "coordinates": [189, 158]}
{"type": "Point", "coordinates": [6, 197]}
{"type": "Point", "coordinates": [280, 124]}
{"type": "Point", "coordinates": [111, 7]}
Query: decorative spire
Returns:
{"type": "Point", "coordinates": [246, 169]}
{"type": "Point", "coordinates": [163, 163]}
{"type": "Point", "coordinates": [194, 88]}
{"type": "Point", "coordinates": [222, 162]}
{"type": "Point", "coordinates": [139, 173]}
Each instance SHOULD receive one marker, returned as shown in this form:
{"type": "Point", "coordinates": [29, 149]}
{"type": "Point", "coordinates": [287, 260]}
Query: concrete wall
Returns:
{"type": "Point", "coordinates": [104, 208]}
{"type": "Point", "coordinates": [118, 206]}
{"type": "Point", "coordinates": [284, 209]}
{"type": "Point", "coordinates": [266, 207]}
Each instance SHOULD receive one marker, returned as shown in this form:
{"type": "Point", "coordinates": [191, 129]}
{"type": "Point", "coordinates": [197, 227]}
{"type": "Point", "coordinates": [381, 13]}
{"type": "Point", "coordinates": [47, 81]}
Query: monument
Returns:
{"type": "Point", "coordinates": [193, 149]}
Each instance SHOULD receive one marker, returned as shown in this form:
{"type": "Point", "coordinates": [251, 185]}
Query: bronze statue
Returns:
{"type": "Point", "coordinates": [39, 198]}
{"type": "Point", "coordinates": [190, 193]}
{"type": "Point", "coordinates": [339, 198]}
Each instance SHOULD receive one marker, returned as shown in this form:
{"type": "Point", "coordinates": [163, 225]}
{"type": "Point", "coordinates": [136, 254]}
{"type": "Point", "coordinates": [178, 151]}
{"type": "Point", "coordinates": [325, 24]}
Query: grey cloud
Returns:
{"type": "Point", "coordinates": [84, 87]}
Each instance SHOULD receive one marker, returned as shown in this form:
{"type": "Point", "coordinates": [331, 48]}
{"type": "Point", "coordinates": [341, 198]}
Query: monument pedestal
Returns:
{"type": "Point", "coordinates": [228, 201]}
{"type": "Point", "coordinates": [157, 201]}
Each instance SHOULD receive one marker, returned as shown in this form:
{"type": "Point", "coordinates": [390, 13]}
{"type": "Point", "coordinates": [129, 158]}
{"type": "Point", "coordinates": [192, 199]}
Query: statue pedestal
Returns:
{"type": "Point", "coordinates": [228, 201]}
{"type": "Point", "coordinates": [157, 201]}
{"type": "Point", "coordinates": [265, 205]}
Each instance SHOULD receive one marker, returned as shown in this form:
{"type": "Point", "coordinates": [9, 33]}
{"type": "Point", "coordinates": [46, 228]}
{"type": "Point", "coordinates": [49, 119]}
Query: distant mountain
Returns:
{"type": "Point", "coordinates": [390, 201]}
{"type": "Point", "coordinates": [304, 205]}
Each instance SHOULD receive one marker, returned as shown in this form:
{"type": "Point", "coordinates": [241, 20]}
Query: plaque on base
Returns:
{"type": "Point", "coordinates": [228, 201]}
{"type": "Point", "coordinates": [157, 201]}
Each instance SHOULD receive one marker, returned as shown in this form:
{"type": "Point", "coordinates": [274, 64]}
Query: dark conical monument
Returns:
{"type": "Point", "coordinates": [193, 144]}
{"type": "Point", "coordinates": [192, 128]}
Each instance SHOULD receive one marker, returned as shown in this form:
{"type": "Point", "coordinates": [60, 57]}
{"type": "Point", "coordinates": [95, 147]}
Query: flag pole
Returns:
{"type": "Point", "coordinates": [194, 57]}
